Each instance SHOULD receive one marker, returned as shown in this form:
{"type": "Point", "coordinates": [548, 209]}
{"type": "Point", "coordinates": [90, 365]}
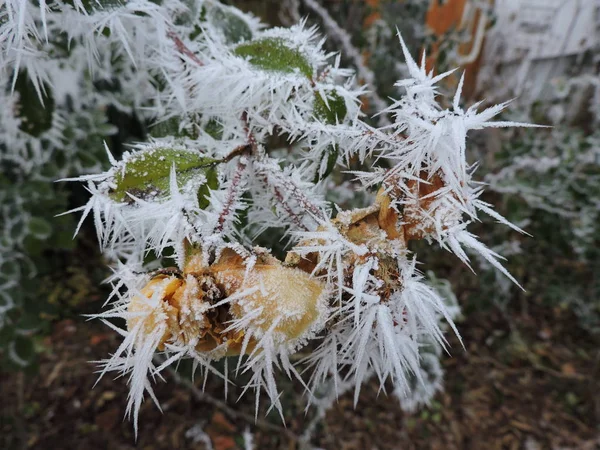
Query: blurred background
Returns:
{"type": "Point", "coordinates": [529, 377]}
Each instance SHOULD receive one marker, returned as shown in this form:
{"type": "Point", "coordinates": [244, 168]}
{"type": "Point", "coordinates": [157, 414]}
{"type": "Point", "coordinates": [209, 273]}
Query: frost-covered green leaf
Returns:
{"type": "Point", "coordinates": [230, 23]}
{"type": "Point", "coordinates": [214, 129]}
{"type": "Point", "coordinates": [35, 106]}
{"type": "Point", "coordinates": [274, 54]}
{"type": "Point", "coordinates": [22, 351]}
{"type": "Point", "coordinates": [146, 174]}
{"type": "Point", "coordinates": [327, 162]}
{"type": "Point", "coordinates": [333, 111]}
{"type": "Point", "coordinates": [40, 228]}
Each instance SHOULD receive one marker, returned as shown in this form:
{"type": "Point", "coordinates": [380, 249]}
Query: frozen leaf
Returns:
{"type": "Point", "coordinates": [22, 351]}
{"type": "Point", "coordinates": [40, 228]}
{"type": "Point", "coordinates": [36, 105]}
{"type": "Point", "coordinates": [146, 173]}
{"type": "Point", "coordinates": [327, 163]}
{"type": "Point", "coordinates": [233, 27]}
{"type": "Point", "coordinates": [331, 112]}
{"type": "Point", "coordinates": [274, 54]}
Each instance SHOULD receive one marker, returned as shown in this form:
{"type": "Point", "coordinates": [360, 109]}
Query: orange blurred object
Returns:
{"type": "Point", "coordinates": [464, 16]}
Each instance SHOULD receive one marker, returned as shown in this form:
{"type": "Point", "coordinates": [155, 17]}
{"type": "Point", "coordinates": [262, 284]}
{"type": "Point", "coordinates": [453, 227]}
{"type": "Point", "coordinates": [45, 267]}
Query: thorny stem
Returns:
{"type": "Point", "coordinates": [182, 48]}
{"type": "Point", "coordinates": [304, 202]}
{"type": "Point", "coordinates": [320, 77]}
{"type": "Point", "coordinates": [249, 135]}
{"type": "Point", "coordinates": [323, 74]}
{"type": "Point", "coordinates": [238, 151]}
{"type": "Point", "coordinates": [288, 209]}
{"type": "Point", "coordinates": [232, 194]}
{"type": "Point", "coordinates": [296, 193]}
{"type": "Point", "coordinates": [189, 220]}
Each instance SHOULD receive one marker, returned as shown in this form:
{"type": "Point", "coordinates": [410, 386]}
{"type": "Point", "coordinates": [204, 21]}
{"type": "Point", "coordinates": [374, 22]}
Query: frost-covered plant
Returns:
{"type": "Point", "coordinates": [550, 181]}
{"type": "Point", "coordinates": [256, 121]}
{"type": "Point", "coordinates": [52, 122]}
{"type": "Point", "coordinates": [553, 182]}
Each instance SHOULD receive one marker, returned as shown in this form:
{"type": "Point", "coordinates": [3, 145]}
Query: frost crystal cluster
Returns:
{"type": "Point", "coordinates": [258, 126]}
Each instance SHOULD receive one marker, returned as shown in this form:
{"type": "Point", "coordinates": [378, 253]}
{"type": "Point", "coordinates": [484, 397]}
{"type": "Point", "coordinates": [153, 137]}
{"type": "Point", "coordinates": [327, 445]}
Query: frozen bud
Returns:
{"type": "Point", "coordinates": [281, 300]}
{"type": "Point", "coordinates": [177, 307]}
{"type": "Point", "coordinates": [192, 309]}
{"type": "Point", "coordinates": [152, 312]}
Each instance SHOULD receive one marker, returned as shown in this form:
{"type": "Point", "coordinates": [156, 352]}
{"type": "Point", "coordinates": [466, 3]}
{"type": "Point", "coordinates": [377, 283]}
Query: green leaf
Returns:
{"type": "Point", "coordinates": [274, 54]}
{"type": "Point", "coordinates": [35, 114]}
{"type": "Point", "coordinates": [334, 111]}
{"type": "Point", "coordinates": [34, 246]}
{"type": "Point", "coordinates": [87, 159]}
{"type": "Point", "coordinates": [169, 127]}
{"type": "Point", "coordinates": [147, 173]}
{"type": "Point", "coordinates": [9, 270]}
{"type": "Point", "coordinates": [331, 153]}
{"type": "Point", "coordinates": [214, 129]}
{"type": "Point", "coordinates": [40, 228]}
{"type": "Point", "coordinates": [212, 183]}
{"type": "Point", "coordinates": [22, 351]}
{"type": "Point", "coordinates": [233, 27]}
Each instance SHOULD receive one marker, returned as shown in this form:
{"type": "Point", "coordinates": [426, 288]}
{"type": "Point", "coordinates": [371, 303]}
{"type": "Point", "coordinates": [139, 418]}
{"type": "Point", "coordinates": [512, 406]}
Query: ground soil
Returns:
{"type": "Point", "coordinates": [530, 385]}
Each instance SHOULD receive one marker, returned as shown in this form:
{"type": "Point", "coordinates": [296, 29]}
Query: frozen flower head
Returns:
{"type": "Point", "coordinates": [229, 302]}
{"type": "Point", "coordinates": [228, 307]}
{"type": "Point", "coordinates": [268, 298]}
{"type": "Point", "coordinates": [259, 308]}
